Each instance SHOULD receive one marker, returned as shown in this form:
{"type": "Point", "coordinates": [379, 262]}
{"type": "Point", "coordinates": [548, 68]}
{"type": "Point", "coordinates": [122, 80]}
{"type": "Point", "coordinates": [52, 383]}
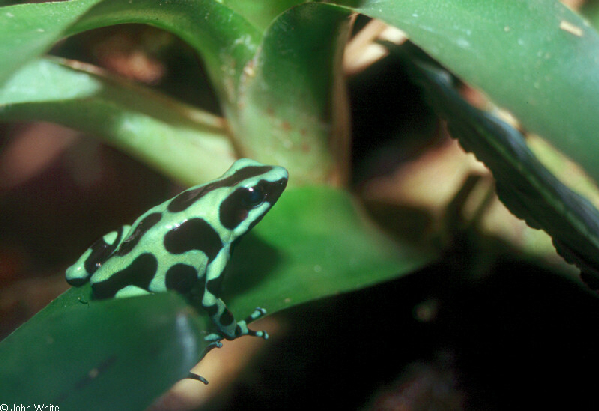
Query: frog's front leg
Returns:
{"type": "Point", "coordinates": [228, 328]}
{"type": "Point", "coordinates": [131, 291]}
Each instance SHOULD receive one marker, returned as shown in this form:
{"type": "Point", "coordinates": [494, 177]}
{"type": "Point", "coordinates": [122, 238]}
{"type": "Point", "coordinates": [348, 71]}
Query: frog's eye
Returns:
{"type": "Point", "coordinates": [237, 206]}
{"type": "Point", "coordinates": [253, 197]}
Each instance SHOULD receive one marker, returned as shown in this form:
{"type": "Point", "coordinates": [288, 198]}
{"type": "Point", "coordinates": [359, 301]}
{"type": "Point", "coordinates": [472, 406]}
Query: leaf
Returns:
{"type": "Point", "coordinates": [314, 243]}
{"type": "Point", "coordinates": [291, 97]}
{"type": "Point", "coordinates": [185, 143]}
{"type": "Point", "coordinates": [537, 58]}
{"type": "Point", "coordinates": [288, 97]}
{"type": "Point", "coordinates": [261, 13]}
{"type": "Point", "coordinates": [27, 32]}
{"type": "Point", "coordinates": [224, 39]}
{"type": "Point", "coordinates": [116, 354]}
{"type": "Point", "coordinates": [524, 185]}
{"type": "Point", "coordinates": [123, 353]}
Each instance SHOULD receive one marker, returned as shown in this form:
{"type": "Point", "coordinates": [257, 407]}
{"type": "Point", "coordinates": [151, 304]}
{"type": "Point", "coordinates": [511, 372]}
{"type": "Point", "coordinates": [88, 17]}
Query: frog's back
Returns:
{"type": "Point", "coordinates": [163, 250]}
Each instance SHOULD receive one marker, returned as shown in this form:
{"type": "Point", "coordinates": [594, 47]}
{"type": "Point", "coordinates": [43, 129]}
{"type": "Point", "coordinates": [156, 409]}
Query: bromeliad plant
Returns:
{"type": "Point", "coordinates": [276, 68]}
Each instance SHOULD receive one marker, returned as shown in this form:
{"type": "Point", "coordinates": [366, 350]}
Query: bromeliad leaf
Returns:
{"type": "Point", "coordinates": [73, 354]}
{"type": "Point", "coordinates": [525, 186]}
{"type": "Point", "coordinates": [232, 40]}
{"type": "Point", "coordinates": [293, 94]}
{"type": "Point", "coordinates": [185, 143]}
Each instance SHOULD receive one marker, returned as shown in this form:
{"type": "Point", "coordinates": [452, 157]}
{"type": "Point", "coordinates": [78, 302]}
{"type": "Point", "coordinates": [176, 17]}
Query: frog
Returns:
{"type": "Point", "coordinates": [184, 244]}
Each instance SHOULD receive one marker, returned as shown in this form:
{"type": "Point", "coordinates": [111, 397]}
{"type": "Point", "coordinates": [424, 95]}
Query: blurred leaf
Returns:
{"type": "Point", "coordinates": [537, 58]}
{"type": "Point", "coordinates": [27, 32]}
{"type": "Point", "coordinates": [183, 142]}
{"type": "Point", "coordinates": [224, 39]}
{"type": "Point", "coordinates": [286, 98]}
{"type": "Point", "coordinates": [524, 185]}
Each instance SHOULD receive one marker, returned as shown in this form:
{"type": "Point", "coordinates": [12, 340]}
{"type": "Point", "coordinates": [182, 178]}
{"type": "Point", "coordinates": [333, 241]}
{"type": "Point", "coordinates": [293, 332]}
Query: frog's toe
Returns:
{"type": "Point", "coordinates": [194, 376]}
{"type": "Point", "coordinates": [214, 340]}
{"type": "Point", "coordinates": [261, 334]}
{"type": "Point", "coordinates": [258, 312]}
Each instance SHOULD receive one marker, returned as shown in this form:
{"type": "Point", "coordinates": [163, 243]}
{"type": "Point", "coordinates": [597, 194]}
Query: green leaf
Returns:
{"type": "Point", "coordinates": [27, 32]}
{"type": "Point", "coordinates": [183, 142]}
{"type": "Point", "coordinates": [286, 98]}
{"type": "Point", "coordinates": [123, 353]}
{"type": "Point", "coordinates": [314, 243]}
{"type": "Point", "coordinates": [224, 39]}
{"type": "Point", "coordinates": [524, 185]}
{"type": "Point", "coordinates": [116, 354]}
{"type": "Point", "coordinates": [292, 96]}
{"type": "Point", "coordinates": [537, 58]}
{"type": "Point", "coordinates": [261, 13]}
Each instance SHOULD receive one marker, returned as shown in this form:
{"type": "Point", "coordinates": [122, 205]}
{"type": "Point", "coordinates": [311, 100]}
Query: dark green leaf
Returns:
{"type": "Point", "coordinates": [123, 353]}
{"type": "Point", "coordinates": [117, 354]}
{"type": "Point", "coordinates": [314, 243]}
{"type": "Point", "coordinates": [524, 185]}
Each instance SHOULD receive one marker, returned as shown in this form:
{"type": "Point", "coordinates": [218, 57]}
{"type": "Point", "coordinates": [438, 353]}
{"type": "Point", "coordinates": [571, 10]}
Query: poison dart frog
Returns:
{"type": "Point", "coordinates": [184, 244]}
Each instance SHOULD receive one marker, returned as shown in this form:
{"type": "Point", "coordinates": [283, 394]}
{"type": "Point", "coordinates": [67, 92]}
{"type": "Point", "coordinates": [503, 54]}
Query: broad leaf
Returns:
{"type": "Point", "coordinates": [123, 353]}
{"type": "Point", "coordinates": [293, 94]}
{"type": "Point", "coordinates": [114, 354]}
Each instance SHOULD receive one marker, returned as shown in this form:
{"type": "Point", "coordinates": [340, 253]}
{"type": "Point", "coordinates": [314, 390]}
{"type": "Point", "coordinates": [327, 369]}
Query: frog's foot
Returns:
{"type": "Point", "coordinates": [194, 376]}
{"type": "Point", "coordinates": [214, 339]}
{"type": "Point", "coordinates": [242, 328]}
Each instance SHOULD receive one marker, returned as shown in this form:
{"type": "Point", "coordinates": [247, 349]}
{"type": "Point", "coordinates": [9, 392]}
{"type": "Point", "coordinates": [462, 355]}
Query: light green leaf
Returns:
{"type": "Point", "coordinates": [287, 97]}
{"type": "Point", "coordinates": [261, 13]}
{"type": "Point", "coordinates": [292, 96]}
{"type": "Point", "coordinates": [224, 39]}
{"type": "Point", "coordinates": [183, 142]}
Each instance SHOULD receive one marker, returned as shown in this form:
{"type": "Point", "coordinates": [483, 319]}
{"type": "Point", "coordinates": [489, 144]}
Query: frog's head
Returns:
{"type": "Point", "coordinates": [235, 202]}
{"type": "Point", "coordinates": [255, 189]}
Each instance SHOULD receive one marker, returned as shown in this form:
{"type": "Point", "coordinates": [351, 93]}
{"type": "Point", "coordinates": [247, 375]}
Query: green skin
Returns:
{"type": "Point", "coordinates": [184, 244]}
